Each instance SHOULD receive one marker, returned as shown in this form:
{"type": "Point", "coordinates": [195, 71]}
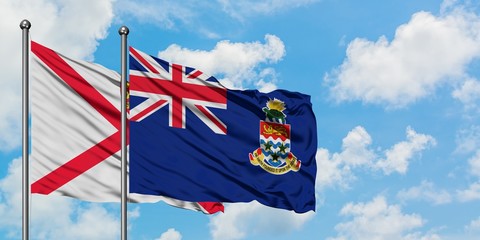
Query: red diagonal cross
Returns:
{"type": "Point", "coordinates": [97, 153]}
{"type": "Point", "coordinates": [178, 90]}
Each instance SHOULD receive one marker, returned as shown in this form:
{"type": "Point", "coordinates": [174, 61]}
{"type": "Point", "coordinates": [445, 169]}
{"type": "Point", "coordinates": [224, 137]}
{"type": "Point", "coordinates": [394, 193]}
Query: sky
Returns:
{"type": "Point", "coordinates": [395, 88]}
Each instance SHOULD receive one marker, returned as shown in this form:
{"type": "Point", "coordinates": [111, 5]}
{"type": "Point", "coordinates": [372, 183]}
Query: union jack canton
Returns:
{"type": "Point", "coordinates": [162, 84]}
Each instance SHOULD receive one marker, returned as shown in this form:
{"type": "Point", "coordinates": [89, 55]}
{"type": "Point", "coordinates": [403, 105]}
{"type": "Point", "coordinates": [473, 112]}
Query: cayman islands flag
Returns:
{"type": "Point", "coordinates": [193, 139]}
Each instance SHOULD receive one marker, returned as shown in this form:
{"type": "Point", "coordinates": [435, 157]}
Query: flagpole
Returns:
{"type": "Point", "coordinates": [123, 31]}
{"type": "Point", "coordinates": [25, 26]}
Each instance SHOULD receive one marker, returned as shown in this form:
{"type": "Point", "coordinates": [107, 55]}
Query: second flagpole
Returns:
{"type": "Point", "coordinates": [25, 26]}
{"type": "Point", "coordinates": [123, 31]}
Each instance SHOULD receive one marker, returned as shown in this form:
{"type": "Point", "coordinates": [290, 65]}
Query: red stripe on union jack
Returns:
{"type": "Point", "coordinates": [177, 87]}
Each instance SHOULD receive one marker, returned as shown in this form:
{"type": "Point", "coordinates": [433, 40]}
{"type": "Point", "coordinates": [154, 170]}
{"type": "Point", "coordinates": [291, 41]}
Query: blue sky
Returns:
{"type": "Point", "coordinates": [395, 89]}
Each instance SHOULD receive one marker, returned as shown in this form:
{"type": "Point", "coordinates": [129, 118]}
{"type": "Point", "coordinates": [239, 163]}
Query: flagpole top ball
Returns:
{"type": "Point", "coordinates": [25, 24]}
{"type": "Point", "coordinates": [123, 30]}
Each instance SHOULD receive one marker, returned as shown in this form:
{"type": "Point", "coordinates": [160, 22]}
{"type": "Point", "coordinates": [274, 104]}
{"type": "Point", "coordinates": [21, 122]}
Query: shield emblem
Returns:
{"type": "Point", "coordinates": [274, 154]}
{"type": "Point", "coordinates": [275, 143]}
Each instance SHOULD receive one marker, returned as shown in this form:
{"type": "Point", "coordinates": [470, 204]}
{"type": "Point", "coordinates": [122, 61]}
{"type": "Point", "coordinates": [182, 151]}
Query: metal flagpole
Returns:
{"type": "Point", "coordinates": [123, 31]}
{"type": "Point", "coordinates": [25, 26]}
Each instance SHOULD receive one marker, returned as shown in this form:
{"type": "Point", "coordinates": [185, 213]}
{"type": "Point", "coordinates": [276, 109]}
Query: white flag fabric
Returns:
{"type": "Point", "coordinates": [75, 128]}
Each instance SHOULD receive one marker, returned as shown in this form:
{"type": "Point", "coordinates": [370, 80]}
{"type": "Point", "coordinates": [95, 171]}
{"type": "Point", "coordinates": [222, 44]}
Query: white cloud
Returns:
{"type": "Point", "coordinates": [420, 236]}
{"type": "Point", "coordinates": [468, 94]}
{"type": "Point", "coordinates": [241, 220]}
{"type": "Point", "coordinates": [188, 14]}
{"type": "Point", "coordinates": [160, 12]}
{"type": "Point", "coordinates": [134, 213]}
{"type": "Point", "coordinates": [82, 23]}
{"type": "Point", "coordinates": [90, 222]}
{"type": "Point", "coordinates": [398, 157]}
{"type": "Point", "coordinates": [470, 194]}
{"type": "Point", "coordinates": [377, 220]}
{"type": "Point", "coordinates": [473, 226]}
{"type": "Point", "coordinates": [11, 195]}
{"type": "Point", "coordinates": [468, 139]}
{"type": "Point", "coordinates": [242, 9]}
{"type": "Point", "coordinates": [268, 79]}
{"type": "Point", "coordinates": [471, 231]}
{"type": "Point", "coordinates": [357, 152]}
{"type": "Point", "coordinates": [336, 168]}
{"type": "Point", "coordinates": [425, 191]}
{"type": "Point", "coordinates": [170, 234]}
{"type": "Point", "coordinates": [448, 5]}
{"type": "Point", "coordinates": [241, 69]}
{"type": "Point", "coordinates": [474, 163]}
{"type": "Point", "coordinates": [171, 14]}
{"type": "Point", "coordinates": [53, 217]}
{"type": "Point", "coordinates": [333, 171]}
{"type": "Point", "coordinates": [70, 27]}
{"type": "Point", "coordinates": [411, 66]}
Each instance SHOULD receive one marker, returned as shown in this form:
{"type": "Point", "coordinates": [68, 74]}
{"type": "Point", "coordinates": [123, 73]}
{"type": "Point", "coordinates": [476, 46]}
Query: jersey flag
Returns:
{"type": "Point", "coordinates": [75, 130]}
{"type": "Point", "coordinates": [195, 140]}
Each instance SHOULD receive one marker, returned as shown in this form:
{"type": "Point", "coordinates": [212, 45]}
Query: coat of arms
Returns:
{"type": "Point", "coordinates": [274, 154]}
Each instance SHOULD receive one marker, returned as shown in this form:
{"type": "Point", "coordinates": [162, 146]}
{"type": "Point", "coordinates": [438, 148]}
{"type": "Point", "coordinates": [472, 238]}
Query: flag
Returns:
{"type": "Point", "coordinates": [195, 140]}
{"type": "Point", "coordinates": [75, 131]}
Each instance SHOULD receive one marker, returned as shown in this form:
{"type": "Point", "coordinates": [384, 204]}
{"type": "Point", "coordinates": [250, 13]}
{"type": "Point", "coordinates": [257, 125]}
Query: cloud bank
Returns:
{"type": "Point", "coordinates": [417, 61]}
{"type": "Point", "coordinates": [357, 153]}
{"type": "Point", "coordinates": [379, 220]}
{"type": "Point", "coordinates": [241, 220]}
{"type": "Point", "coordinates": [236, 65]}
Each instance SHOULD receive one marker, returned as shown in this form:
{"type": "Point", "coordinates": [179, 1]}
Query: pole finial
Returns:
{"type": "Point", "coordinates": [123, 30]}
{"type": "Point", "coordinates": [25, 24]}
